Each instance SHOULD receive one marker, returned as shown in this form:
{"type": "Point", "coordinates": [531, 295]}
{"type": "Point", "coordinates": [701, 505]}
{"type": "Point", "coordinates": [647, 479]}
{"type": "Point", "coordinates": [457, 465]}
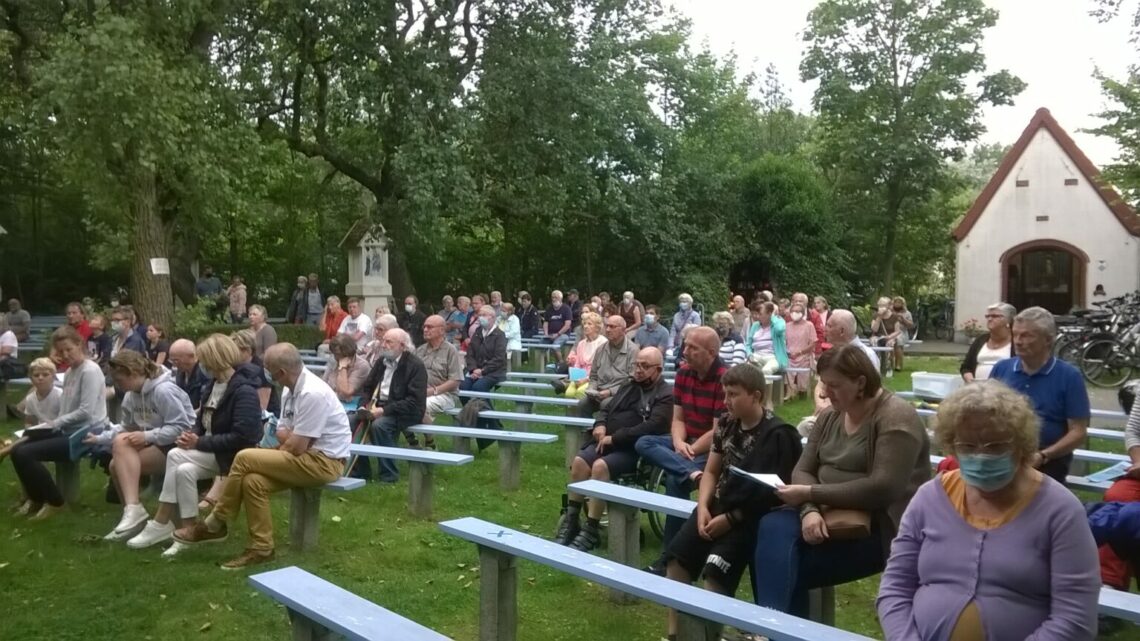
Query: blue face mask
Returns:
{"type": "Point", "coordinates": [484, 322]}
{"type": "Point", "coordinates": [987, 472]}
{"type": "Point", "coordinates": [650, 320]}
{"type": "Point", "coordinates": [684, 307]}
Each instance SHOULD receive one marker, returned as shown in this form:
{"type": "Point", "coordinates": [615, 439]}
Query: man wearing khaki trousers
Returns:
{"type": "Point", "coordinates": [314, 434]}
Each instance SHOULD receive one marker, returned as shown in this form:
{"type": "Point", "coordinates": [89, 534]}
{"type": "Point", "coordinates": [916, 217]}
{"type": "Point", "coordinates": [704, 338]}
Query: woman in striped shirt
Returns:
{"type": "Point", "coordinates": [732, 351]}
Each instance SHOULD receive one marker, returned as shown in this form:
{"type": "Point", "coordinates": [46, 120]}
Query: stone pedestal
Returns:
{"type": "Point", "coordinates": [367, 248]}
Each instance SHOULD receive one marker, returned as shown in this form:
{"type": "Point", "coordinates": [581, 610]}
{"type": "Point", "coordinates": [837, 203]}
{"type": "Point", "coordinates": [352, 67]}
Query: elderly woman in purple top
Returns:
{"type": "Point", "coordinates": [996, 549]}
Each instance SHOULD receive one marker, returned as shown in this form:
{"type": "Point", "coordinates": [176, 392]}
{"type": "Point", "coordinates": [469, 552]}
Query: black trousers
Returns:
{"type": "Point", "coordinates": [28, 459]}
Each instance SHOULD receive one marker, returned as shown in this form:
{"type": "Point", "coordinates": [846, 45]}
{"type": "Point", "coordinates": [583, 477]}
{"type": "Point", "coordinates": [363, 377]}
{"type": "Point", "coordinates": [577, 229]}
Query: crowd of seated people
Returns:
{"type": "Point", "coordinates": [857, 499]}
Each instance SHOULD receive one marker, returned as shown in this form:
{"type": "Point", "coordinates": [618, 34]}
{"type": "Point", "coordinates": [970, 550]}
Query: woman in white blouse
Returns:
{"type": "Point", "coordinates": [993, 346]}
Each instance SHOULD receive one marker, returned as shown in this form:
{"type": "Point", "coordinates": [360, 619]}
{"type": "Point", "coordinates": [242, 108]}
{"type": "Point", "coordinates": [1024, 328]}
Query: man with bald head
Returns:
{"type": "Point", "coordinates": [314, 436]}
{"type": "Point", "coordinates": [396, 393]}
{"type": "Point", "coordinates": [842, 329]}
{"type": "Point", "coordinates": [741, 317]}
{"type": "Point", "coordinates": [610, 369]}
{"type": "Point", "coordinates": [698, 403]}
{"type": "Point", "coordinates": [188, 375]}
{"type": "Point", "coordinates": [641, 408]}
{"type": "Point", "coordinates": [444, 368]}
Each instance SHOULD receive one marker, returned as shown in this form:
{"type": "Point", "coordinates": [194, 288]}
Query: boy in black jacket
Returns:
{"type": "Point", "coordinates": [719, 537]}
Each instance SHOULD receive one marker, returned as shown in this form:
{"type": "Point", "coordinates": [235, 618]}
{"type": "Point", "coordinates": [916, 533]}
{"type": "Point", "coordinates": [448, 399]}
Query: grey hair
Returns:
{"type": "Point", "coordinates": [845, 319]}
{"type": "Point", "coordinates": [1040, 319]}
{"type": "Point", "coordinates": [556, 294]}
{"type": "Point", "coordinates": [685, 298]}
{"type": "Point", "coordinates": [284, 356]}
{"type": "Point", "coordinates": [1007, 310]}
{"type": "Point", "coordinates": [260, 308]}
{"type": "Point", "coordinates": [388, 322]}
{"type": "Point", "coordinates": [404, 338]}
{"type": "Point", "coordinates": [722, 316]}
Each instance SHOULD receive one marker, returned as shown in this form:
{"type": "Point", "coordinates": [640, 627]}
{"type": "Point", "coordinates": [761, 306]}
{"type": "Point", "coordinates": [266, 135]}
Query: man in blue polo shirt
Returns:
{"type": "Point", "coordinates": [1055, 388]}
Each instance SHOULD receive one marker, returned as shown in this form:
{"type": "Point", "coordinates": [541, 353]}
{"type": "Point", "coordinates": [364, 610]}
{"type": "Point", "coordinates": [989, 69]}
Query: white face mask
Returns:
{"type": "Point", "coordinates": [797, 316]}
{"type": "Point", "coordinates": [410, 308]}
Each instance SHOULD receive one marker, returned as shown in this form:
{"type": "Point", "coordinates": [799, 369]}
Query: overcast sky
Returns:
{"type": "Point", "coordinates": [1053, 45]}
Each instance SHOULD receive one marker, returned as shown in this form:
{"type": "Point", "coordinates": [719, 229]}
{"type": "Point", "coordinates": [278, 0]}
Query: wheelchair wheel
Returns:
{"type": "Point", "coordinates": [655, 482]}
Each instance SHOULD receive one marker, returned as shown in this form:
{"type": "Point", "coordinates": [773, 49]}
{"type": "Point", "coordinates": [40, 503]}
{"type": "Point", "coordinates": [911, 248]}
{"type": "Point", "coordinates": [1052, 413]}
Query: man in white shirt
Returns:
{"type": "Point", "coordinates": [841, 329]}
{"type": "Point", "coordinates": [357, 324]}
{"type": "Point", "coordinates": [314, 436]}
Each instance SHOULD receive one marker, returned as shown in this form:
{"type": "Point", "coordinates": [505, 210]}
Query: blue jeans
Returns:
{"type": "Point", "coordinates": [784, 567]}
{"type": "Point", "coordinates": [384, 432]}
{"type": "Point", "coordinates": [482, 384]}
{"type": "Point", "coordinates": [658, 450]}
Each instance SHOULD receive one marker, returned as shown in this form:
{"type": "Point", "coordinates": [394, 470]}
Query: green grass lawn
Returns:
{"type": "Point", "coordinates": [59, 586]}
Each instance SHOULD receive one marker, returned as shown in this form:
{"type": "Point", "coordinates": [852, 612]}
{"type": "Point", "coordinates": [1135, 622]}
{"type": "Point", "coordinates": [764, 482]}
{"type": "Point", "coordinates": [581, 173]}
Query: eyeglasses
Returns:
{"type": "Point", "coordinates": [988, 316]}
{"type": "Point", "coordinates": [644, 366]}
{"type": "Point", "coordinates": [997, 447]}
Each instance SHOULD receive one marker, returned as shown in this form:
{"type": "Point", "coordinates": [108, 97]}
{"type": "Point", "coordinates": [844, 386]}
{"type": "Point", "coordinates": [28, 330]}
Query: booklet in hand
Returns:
{"type": "Point", "coordinates": [41, 431]}
{"type": "Point", "coordinates": [578, 374]}
{"type": "Point", "coordinates": [1110, 473]}
{"type": "Point", "coordinates": [769, 480]}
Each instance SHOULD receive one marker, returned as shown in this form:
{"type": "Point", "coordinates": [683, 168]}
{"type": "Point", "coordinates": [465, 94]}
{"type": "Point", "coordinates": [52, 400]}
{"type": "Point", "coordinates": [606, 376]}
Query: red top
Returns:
{"type": "Point", "coordinates": [332, 323]}
{"type": "Point", "coordinates": [701, 399]}
{"type": "Point", "coordinates": [84, 329]}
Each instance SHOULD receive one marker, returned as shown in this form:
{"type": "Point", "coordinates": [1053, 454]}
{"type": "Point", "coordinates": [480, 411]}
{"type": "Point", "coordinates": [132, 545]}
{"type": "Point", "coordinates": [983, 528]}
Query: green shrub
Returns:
{"type": "Point", "coordinates": [303, 336]}
{"type": "Point", "coordinates": [191, 321]}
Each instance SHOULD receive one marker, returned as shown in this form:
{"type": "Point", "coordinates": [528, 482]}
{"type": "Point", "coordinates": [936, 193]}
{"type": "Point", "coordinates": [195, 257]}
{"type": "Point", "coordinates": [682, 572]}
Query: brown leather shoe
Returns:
{"type": "Point", "coordinates": [248, 558]}
{"type": "Point", "coordinates": [199, 533]}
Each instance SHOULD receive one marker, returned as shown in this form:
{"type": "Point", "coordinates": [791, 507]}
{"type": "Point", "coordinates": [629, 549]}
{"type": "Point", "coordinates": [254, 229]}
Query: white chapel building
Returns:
{"type": "Point", "coordinates": [1045, 231]}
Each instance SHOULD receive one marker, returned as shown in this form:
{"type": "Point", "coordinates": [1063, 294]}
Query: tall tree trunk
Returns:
{"type": "Point", "coordinates": [891, 231]}
{"type": "Point", "coordinates": [150, 292]}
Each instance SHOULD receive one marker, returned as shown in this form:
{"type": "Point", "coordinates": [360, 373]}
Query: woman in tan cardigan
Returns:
{"type": "Point", "coordinates": [866, 457]}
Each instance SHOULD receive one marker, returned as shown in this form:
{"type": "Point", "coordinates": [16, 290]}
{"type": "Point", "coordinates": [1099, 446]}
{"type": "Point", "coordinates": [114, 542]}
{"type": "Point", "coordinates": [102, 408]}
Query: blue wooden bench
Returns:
{"type": "Point", "coordinates": [420, 463]}
{"type": "Point", "coordinates": [510, 446]}
{"type": "Point", "coordinates": [573, 426]}
{"type": "Point", "coordinates": [624, 504]}
{"type": "Point", "coordinates": [318, 610]}
{"type": "Point", "coordinates": [1119, 604]}
{"type": "Point", "coordinates": [538, 386]}
{"type": "Point", "coordinates": [700, 612]}
{"type": "Point", "coordinates": [305, 511]}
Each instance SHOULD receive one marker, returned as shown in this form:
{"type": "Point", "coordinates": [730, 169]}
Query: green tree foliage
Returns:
{"type": "Point", "coordinates": [901, 87]}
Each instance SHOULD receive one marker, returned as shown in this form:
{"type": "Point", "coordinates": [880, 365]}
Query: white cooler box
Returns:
{"type": "Point", "coordinates": [934, 387]}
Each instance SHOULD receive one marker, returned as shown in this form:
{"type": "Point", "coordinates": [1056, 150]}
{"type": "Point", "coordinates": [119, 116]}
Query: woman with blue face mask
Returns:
{"type": "Point", "coordinates": [684, 317]}
{"type": "Point", "coordinates": [486, 362]}
{"type": "Point", "coordinates": [995, 549]}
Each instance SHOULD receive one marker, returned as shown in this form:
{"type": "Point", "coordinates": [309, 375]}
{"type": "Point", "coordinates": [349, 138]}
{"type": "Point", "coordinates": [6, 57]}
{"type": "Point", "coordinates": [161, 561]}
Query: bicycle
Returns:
{"type": "Point", "coordinates": [1109, 361]}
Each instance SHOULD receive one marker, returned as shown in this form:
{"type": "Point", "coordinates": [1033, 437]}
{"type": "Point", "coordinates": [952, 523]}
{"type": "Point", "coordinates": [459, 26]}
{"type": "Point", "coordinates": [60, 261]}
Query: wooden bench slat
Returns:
{"type": "Point", "coordinates": [521, 398]}
{"type": "Point", "coordinates": [337, 609]}
{"type": "Point", "coordinates": [1119, 604]}
{"type": "Point", "coordinates": [345, 484]}
{"type": "Point", "coordinates": [493, 435]}
{"type": "Point", "coordinates": [688, 599]}
{"type": "Point", "coordinates": [405, 454]}
{"type": "Point", "coordinates": [634, 497]}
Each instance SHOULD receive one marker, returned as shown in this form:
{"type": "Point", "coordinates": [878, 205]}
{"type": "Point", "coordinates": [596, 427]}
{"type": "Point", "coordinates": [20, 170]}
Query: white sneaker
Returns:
{"type": "Point", "coordinates": [133, 521]}
{"type": "Point", "coordinates": [170, 552]}
{"type": "Point", "coordinates": [153, 533]}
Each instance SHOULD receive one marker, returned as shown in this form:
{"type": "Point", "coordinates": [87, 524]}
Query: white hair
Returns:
{"type": "Point", "coordinates": [1040, 319]}
{"type": "Point", "coordinates": [685, 298]}
{"type": "Point", "coordinates": [846, 320]}
{"type": "Point", "coordinates": [387, 321]}
{"type": "Point", "coordinates": [556, 294]}
{"type": "Point", "coordinates": [1007, 310]}
{"type": "Point", "coordinates": [403, 337]}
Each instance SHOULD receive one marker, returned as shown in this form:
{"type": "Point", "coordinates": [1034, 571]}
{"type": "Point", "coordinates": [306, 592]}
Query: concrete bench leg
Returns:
{"type": "Point", "coordinates": [624, 542]}
{"type": "Point", "coordinates": [777, 392]}
{"type": "Point", "coordinates": [304, 519]}
{"type": "Point", "coordinates": [541, 358]}
{"type": "Point", "coordinates": [461, 445]}
{"type": "Point", "coordinates": [573, 438]}
{"type": "Point", "coordinates": [419, 489]}
{"type": "Point", "coordinates": [524, 408]}
{"type": "Point", "coordinates": [307, 629]}
{"type": "Point", "coordinates": [510, 462]}
{"type": "Point", "coordinates": [693, 629]}
{"type": "Point", "coordinates": [821, 605]}
{"type": "Point", "coordinates": [516, 361]}
{"type": "Point", "coordinates": [67, 480]}
{"type": "Point", "coordinates": [498, 596]}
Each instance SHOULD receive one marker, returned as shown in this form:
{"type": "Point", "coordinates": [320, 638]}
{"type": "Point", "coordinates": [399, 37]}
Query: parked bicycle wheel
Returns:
{"type": "Point", "coordinates": [1069, 349]}
{"type": "Point", "coordinates": [1105, 362]}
